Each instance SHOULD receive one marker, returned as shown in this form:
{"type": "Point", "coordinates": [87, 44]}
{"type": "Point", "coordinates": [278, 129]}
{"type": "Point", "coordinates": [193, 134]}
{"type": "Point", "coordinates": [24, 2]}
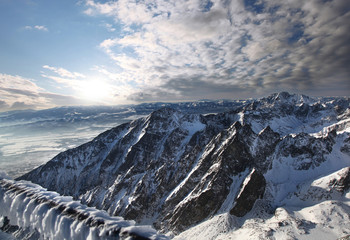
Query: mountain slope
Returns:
{"type": "Point", "coordinates": [176, 170]}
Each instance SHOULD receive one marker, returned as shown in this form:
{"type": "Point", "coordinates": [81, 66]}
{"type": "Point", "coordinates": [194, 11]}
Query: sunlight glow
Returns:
{"type": "Point", "coordinates": [95, 91]}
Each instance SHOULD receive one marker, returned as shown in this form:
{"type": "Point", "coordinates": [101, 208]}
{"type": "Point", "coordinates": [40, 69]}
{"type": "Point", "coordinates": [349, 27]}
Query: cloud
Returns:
{"type": "Point", "coordinates": [17, 82]}
{"type": "Point", "coordinates": [183, 88]}
{"type": "Point", "coordinates": [21, 105]}
{"type": "Point", "coordinates": [108, 8]}
{"type": "Point", "coordinates": [15, 89]}
{"type": "Point", "coordinates": [179, 49]}
{"type": "Point", "coordinates": [102, 87]}
{"type": "Point", "coordinates": [19, 93]}
{"type": "Point", "coordinates": [37, 27]}
{"type": "Point", "coordinates": [64, 72]}
{"type": "Point", "coordinates": [109, 27]}
{"type": "Point", "coordinates": [41, 28]}
{"type": "Point", "coordinates": [3, 105]}
{"type": "Point", "coordinates": [64, 77]}
{"type": "Point", "coordinates": [61, 100]}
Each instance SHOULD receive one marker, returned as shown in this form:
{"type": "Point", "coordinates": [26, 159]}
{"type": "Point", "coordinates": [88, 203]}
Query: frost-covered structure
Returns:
{"type": "Point", "coordinates": [31, 212]}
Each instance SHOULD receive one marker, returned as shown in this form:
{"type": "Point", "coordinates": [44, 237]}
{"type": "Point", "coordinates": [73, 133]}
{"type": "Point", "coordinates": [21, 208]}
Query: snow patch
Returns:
{"type": "Point", "coordinates": [193, 127]}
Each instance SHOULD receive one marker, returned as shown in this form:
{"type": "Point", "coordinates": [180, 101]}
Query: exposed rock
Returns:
{"type": "Point", "coordinates": [253, 188]}
{"type": "Point", "coordinates": [342, 184]}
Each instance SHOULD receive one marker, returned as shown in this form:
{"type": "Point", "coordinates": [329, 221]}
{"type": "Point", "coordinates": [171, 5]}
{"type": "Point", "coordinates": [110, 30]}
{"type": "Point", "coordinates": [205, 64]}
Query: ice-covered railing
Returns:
{"type": "Point", "coordinates": [51, 216]}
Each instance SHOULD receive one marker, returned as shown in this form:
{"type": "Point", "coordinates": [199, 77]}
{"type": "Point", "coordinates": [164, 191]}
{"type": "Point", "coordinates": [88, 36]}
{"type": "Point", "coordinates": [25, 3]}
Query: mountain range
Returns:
{"type": "Point", "coordinates": [272, 168]}
{"type": "Point", "coordinates": [30, 138]}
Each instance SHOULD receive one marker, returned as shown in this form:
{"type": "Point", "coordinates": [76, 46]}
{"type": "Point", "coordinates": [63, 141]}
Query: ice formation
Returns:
{"type": "Point", "coordinates": [36, 210]}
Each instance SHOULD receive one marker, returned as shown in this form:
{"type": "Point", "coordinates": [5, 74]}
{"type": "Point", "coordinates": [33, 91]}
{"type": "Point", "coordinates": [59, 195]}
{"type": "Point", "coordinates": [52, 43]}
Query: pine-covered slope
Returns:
{"type": "Point", "coordinates": [177, 170]}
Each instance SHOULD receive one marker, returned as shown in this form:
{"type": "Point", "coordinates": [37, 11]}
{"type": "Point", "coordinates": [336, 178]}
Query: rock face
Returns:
{"type": "Point", "coordinates": [253, 188]}
{"type": "Point", "coordinates": [175, 170]}
{"type": "Point", "coordinates": [342, 184]}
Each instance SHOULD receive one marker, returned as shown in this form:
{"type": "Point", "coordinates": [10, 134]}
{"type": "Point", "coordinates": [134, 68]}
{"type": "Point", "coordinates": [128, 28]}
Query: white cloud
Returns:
{"type": "Point", "coordinates": [41, 28]}
{"type": "Point", "coordinates": [130, 12]}
{"type": "Point", "coordinates": [108, 44]}
{"type": "Point", "coordinates": [21, 93]}
{"type": "Point", "coordinates": [254, 51]}
{"type": "Point", "coordinates": [60, 80]}
{"type": "Point", "coordinates": [37, 27]}
{"type": "Point", "coordinates": [108, 8]}
{"type": "Point", "coordinates": [17, 82]}
{"type": "Point", "coordinates": [64, 78]}
{"type": "Point", "coordinates": [109, 27]}
{"type": "Point", "coordinates": [64, 72]}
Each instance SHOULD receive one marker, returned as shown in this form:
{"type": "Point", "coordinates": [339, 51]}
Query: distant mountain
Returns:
{"type": "Point", "coordinates": [271, 168]}
{"type": "Point", "coordinates": [81, 112]}
{"type": "Point", "coordinates": [30, 138]}
{"type": "Point", "coordinates": [77, 116]}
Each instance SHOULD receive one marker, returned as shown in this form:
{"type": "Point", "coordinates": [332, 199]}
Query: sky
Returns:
{"type": "Point", "coordinates": [90, 52]}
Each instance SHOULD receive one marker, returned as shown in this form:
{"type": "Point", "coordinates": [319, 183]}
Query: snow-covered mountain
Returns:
{"type": "Point", "coordinates": [30, 138]}
{"type": "Point", "coordinates": [273, 168]}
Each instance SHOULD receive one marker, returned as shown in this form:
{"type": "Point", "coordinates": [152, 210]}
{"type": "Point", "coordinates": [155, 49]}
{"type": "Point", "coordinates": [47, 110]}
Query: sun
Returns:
{"type": "Point", "coordinates": [95, 91]}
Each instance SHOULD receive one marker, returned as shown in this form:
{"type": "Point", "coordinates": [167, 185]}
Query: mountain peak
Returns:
{"type": "Point", "coordinates": [282, 95]}
{"type": "Point", "coordinates": [285, 97]}
{"type": "Point", "coordinates": [163, 113]}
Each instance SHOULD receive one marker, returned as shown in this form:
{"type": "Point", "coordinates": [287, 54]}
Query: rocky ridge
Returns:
{"type": "Point", "coordinates": [176, 170]}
